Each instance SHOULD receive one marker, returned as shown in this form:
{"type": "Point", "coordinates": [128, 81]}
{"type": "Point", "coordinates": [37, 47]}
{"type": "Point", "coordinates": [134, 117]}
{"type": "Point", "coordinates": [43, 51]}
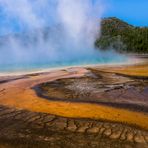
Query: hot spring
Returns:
{"type": "Point", "coordinates": [41, 64]}
{"type": "Point", "coordinates": [37, 35]}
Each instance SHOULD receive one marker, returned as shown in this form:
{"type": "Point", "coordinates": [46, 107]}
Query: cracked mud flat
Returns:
{"type": "Point", "coordinates": [21, 128]}
{"type": "Point", "coordinates": [66, 110]}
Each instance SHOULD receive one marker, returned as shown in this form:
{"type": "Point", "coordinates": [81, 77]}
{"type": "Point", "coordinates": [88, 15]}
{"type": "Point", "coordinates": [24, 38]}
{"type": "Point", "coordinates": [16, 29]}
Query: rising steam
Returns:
{"type": "Point", "coordinates": [50, 32]}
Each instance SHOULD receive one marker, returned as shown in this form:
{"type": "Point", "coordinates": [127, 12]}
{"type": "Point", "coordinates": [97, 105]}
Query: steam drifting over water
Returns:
{"type": "Point", "coordinates": [51, 33]}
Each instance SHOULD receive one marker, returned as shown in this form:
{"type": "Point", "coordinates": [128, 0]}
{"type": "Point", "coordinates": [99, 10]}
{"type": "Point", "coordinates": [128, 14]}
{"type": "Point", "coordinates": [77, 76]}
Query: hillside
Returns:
{"type": "Point", "coordinates": [119, 35]}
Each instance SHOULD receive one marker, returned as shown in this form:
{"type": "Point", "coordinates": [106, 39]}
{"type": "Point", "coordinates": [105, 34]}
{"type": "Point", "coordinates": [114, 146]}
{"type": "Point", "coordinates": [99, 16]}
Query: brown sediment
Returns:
{"type": "Point", "coordinates": [22, 128]}
{"type": "Point", "coordinates": [136, 71]}
{"type": "Point", "coordinates": [19, 94]}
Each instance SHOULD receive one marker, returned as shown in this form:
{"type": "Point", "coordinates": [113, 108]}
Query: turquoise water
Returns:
{"type": "Point", "coordinates": [47, 63]}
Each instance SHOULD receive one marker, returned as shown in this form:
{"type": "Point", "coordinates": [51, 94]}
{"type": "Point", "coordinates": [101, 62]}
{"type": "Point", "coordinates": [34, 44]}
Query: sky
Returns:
{"type": "Point", "coordinates": [132, 11]}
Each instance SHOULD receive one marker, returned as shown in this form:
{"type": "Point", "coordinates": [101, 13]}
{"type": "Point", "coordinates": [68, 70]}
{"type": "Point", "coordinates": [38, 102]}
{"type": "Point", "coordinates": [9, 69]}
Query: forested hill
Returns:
{"type": "Point", "coordinates": [119, 35]}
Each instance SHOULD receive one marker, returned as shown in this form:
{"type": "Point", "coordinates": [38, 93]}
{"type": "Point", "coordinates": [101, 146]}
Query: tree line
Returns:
{"type": "Point", "coordinates": [119, 35]}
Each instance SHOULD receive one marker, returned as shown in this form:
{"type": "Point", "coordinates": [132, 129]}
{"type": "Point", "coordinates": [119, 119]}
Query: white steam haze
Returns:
{"type": "Point", "coordinates": [50, 32]}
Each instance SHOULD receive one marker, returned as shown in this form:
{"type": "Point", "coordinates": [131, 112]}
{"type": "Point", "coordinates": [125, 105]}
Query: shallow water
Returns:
{"type": "Point", "coordinates": [47, 63]}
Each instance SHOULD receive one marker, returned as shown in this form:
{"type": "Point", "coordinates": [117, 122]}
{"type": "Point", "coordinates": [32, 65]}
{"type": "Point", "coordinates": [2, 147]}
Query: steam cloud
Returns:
{"type": "Point", "coordinates": [52, 31]}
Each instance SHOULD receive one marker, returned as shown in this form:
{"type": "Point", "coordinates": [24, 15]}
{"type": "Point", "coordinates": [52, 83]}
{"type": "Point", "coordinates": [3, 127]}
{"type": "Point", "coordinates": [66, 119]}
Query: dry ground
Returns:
{"type": "Point", "coordinates": [28, 119]}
